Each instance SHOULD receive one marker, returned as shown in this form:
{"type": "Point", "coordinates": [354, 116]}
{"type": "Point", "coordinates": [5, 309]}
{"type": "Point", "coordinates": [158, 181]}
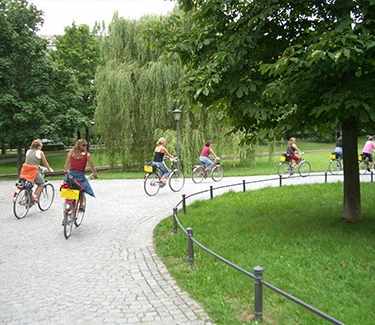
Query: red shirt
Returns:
{"type": "Point", "coordinates": [79, 164]}
{"type": "Point", "coordinates": [205, 151]}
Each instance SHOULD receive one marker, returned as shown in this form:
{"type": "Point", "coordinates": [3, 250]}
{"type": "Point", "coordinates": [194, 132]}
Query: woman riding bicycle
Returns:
{"type": "Point", "coordinates": [75, 166]}
{"type": "Point", "coordinates": [293, 152]}
{"type": "Point", "coordinates": [35, 157]}
{"type": "Point", "coordinates": [159, 152]}
{"type": "Point", "coordinates": [205, 154]}
{"type": "Point", "coordinates": [368, 149]}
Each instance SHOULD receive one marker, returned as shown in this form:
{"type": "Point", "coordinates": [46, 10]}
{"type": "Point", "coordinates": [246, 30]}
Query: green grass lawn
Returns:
{"type": "Point", "coordinates": [305, 249]}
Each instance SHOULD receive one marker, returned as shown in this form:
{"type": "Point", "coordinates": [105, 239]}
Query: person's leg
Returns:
{"type": "Point", "coordinates": [37, 192]}
{"type": "Point", "coordinates": [82, 202]}
{"type": "Point", "coordinates": [39, 181]}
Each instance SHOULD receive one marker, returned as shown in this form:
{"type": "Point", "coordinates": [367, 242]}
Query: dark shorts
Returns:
{"type": "Point", "coordinates": [367, 156]}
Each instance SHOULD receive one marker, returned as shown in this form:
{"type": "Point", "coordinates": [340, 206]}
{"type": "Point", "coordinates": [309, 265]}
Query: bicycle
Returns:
{"type": "Point", "coordinates": [71, 191]}
{"type": "Point", "coordinates": [200, 172]}
{"type": "Point", "coordinates": [335, 165]}
{"type": "Point", "coordinates": [152, 179]}
{"type": "Point", "coordinates": [23, 196]}
{"type": "Point", "coordinates": [286, 168]}
{"type": "Point", "coordinates": [365, 165]}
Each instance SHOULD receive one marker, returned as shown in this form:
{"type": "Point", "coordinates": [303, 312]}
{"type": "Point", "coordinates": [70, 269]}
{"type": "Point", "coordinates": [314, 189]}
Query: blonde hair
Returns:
{"type": "Point", "coordinates": [292, 139]}
{"type": "Point", "coordinates": [36, 144]}
{"type": "Point", "coordinates": [161, 141]}
{"type": "Point", "coordinates": [77, 146]}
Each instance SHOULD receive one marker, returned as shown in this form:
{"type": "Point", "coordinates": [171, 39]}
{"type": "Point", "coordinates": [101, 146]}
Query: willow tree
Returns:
{"type": "Point", "coordinates": [137, 85]}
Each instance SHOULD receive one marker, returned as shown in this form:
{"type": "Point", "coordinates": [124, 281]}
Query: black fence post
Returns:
{"type": "Point", "coordinates": [280, 180]}
{"type": "Point", "coordinates": [190, 248]}
{"type": "Point", "coordinates": [325, 177]}
{"type": "Point", "coordinates": [258, 301]}
{"type": "Point", "coordinates": [211, 192]}
{"type": "Point", "coordinates": [184, 202]}
{"type": "Point", "coordinates": [174, 221]}
{"type": "Point", "coordinates": [244, 185]}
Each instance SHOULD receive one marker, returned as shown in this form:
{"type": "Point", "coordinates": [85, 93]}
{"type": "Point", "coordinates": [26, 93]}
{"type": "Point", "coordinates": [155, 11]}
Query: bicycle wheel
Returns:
{"type": "Point", "coordinates": [46, 197]}
{"type": "Point", "coordinates": [335, 167]}
{"type": "Point", "coordinates": [284, 169]}
{"type": "Point", "coordinates": [197, 174]}
{"type": "Point", "coordinates": [304, 168]}
{"type": "Point", "coordinates": [176, 180]}
{"type": "Point", "coordinates": [21, 203]}
{"type": "Point", "coordinates": [151, 184]}
{"type": "Point", "coordinates": [217, 173]}
{"type": "Point", "coordinates": [80, 214]}
{"type": "Point", "coordinates": [68, 222]}
{"type": "Point", "coordinates": [364, 167]}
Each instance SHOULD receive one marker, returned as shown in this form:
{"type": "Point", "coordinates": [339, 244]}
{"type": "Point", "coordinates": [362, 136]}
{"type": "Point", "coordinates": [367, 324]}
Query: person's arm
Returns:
{"type": "Point", "coordinates": [67, 162]}
{"type": "Point", "coordinates": [45, 162]}
{"type": "Point", "coordinates": [296, 148]}
{"type": "Point", "coordinates": [213, 153]}
{"type": "Point", "coordinates": [167, 153]}
{"type": "Point", "coordinates": [91, 165]}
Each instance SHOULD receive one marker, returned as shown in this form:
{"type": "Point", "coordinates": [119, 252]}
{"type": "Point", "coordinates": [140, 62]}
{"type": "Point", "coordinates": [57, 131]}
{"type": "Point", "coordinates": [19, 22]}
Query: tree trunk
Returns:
{"type": "Point", "coordinates": [87, 137]}
{"type": "Point", "coordinates": [19, 158]}
{"type": "Point", "coordinates": [352, 190]}
{"type": "Point", "coordinates": [3, 149]}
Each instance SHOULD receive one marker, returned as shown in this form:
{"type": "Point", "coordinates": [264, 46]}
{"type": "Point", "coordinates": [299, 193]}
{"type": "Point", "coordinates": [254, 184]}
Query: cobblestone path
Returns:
{"type": "Point", "coordinates": [106, 273]}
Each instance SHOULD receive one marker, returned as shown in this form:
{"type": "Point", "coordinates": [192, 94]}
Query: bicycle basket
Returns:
{"type": "Point", "coordinates": [282, 158]}
{"type": "Point", "coordinates": [333, 156]}
{"type": "Point", "coordinates": [69, 194]}
{"type": "Point", "coordinates": [148, 168]}
{"type": "Point", "coordinates": [24, 184]}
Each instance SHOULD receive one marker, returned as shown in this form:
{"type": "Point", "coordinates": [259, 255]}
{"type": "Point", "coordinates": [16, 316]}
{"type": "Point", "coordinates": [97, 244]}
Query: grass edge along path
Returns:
{"type": "Point", "coordinates": [297, 235]}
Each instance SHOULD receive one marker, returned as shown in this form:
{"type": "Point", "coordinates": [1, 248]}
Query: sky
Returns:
{"type": "Point", "coordinates": [60, 13]}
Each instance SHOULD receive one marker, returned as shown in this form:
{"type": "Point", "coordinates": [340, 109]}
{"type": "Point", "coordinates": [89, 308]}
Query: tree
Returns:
{"type": "Point", "coordinates": [78, 50]}
{"type": "Point", "coordinates": [298, 64]}
{"type": "Point", "coordinates": [23, 74]}
{"type": "Point", "coordinates": [35, 93]}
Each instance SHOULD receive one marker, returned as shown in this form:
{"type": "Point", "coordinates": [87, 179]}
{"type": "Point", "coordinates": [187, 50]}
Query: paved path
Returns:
{"type": "Point", "coordinates": [106, 273]}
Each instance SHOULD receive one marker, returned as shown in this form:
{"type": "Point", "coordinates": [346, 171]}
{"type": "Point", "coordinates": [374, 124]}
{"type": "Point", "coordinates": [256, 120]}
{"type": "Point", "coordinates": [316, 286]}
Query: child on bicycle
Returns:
{"type": "Point", "coordinates": [75, 165]}
{"type": "Point", "coordinates": [159, 152]}
{"type": "Point", "coordinates": [368, 149]}
{"type": "Point", "coordinates": [293, 152]}
{"type": "Point", "coordinates": [204, 157]}
{"type": "Point", "coordinates": [35, 157]}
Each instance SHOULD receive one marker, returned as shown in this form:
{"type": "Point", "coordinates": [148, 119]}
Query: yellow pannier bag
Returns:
{"type": "Point", "coordinates": [69, 194]}
{"type": "Point", "coordinates": [333, 156]}
{"type": "Point", "coordinates": [147, 168]}
{"type": "Point", "coordinates": [282, 158]}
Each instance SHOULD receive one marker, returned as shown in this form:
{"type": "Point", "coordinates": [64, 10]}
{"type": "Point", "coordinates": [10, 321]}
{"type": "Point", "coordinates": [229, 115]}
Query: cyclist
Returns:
{"type": "Point", "coordinates": [75, 166]}
{"type": "Point", "coordinates": [159, 152]}
{"type": "Point", "coordinates": [204, 157]}
{"type": "Point", "coordinates": [292, 152]}
{"type": "Point", "coordinates": [367, 151]}
{"type": "Point", "coordinates": [35, 157]}
{"type": "Point", "coordinates": [338, 148]}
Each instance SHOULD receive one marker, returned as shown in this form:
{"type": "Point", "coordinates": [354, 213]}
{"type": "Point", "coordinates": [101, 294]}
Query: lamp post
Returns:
{"type": "Point", "coordinates": [177, 117]}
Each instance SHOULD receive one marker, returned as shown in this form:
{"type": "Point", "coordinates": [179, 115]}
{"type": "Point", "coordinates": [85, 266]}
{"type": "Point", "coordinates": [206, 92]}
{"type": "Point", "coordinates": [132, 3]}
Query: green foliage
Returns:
{"type": "Point", "coordinates": [138, 84]}
{"type": "Point", "coordinates": [78, 50]}
{"type": "Point", "coordinates": [35, 94]}
{"type": "Point", "coordinates": [304, 248]}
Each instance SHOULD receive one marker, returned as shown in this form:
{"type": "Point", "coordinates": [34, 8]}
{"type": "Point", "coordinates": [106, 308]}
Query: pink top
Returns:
{"type": "Point", "coordinates": [205, 151]}
{"type": "Point", "coordinates": [369, 147]}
